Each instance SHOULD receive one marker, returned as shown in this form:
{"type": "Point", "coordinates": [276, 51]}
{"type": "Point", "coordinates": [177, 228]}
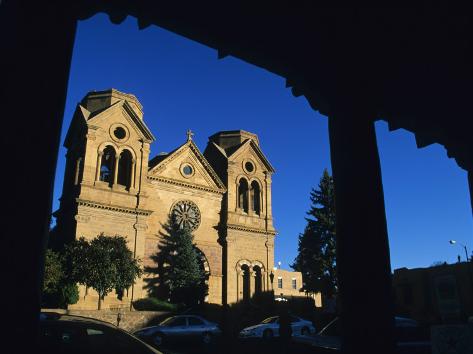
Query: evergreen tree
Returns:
{"type": "Point", "coordinates": [316, 257]}
{"type": "Point", "coordinates": [179, 267]}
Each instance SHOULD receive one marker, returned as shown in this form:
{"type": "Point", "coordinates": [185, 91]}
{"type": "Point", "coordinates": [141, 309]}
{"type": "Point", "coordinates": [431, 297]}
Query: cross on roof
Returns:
{"type": "Point", "coordinates": [190, 134]}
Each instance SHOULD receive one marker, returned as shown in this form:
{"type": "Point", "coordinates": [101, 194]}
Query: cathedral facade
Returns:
{"type": "Point", "coordinates": [112, 186]}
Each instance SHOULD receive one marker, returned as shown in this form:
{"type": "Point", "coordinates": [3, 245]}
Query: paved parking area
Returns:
{"type": "Point", "coordinates": [274, 346]}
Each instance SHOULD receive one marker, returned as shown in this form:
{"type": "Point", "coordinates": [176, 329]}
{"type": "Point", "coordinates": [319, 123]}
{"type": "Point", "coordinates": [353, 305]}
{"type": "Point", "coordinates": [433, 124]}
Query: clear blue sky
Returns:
{"type": "Point", "coordinates": [182, 85]}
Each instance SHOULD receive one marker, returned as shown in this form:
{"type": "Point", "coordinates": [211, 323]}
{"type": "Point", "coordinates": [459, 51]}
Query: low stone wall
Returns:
{"type": "Point", "coordinates": [130, 320]}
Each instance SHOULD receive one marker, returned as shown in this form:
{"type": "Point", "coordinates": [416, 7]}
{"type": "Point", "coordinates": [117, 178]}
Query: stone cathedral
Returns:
{"type": "Point", "coordinates": [111, 185]}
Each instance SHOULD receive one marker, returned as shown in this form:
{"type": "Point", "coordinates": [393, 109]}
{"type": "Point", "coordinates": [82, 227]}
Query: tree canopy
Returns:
{"type": "Point", "coordinates": [316, 257]}
{"type": "Point", "coordinates": [104, 264]}
{"type": "Point", "coordinates": [58, 289]}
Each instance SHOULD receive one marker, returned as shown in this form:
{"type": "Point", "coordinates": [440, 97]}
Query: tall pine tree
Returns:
{"type": "Point", "coordinates": [179, 267]}
{"type": "Point", "coordinates": [316, 258]}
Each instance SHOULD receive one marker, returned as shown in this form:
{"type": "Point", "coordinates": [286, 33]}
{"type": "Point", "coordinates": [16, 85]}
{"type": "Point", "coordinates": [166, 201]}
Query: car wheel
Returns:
{"type": "Point", "coordinates": [206, 338]}
{"type": "Point", "coordinates": [158, 339]}
{"type": "Point", "coordinates": [267, 334]}
{"type": "Point", "coordinates": [305, 331]}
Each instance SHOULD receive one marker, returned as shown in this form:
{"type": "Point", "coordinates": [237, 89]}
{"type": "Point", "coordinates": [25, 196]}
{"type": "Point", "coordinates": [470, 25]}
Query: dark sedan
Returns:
{"type": "Point", "coordinates": [182, 327]}
{"type": "Point", "coordinates": [65, 334]}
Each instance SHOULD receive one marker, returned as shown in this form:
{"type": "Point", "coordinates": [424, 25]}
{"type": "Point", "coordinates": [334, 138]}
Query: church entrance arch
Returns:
{"type": "Point", "coordinates": [204, 266]}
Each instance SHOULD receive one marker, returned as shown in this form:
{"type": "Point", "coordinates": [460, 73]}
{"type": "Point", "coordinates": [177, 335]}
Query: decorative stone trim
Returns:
{"type": "Point", "coordinates": [249, 229]}
{"type": "Point", "coordinates": [186, 184]}
{"type": "Point", "coordinates": [115, 126]}
{"type": "Point", "coordinates": [248, 163]}
{"type": "Point", "coordinates": [82, 218]}
{"type": "Point", "coordinates": [134, 211]}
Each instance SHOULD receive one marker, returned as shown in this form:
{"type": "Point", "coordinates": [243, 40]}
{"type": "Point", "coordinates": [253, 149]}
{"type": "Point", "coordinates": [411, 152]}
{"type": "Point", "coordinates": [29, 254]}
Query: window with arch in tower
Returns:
{"type": "Point", "coordinates": [243, 195]}
{"type": "Point", "coordinates": [255, 197]}
{"type": "Point", "coordinates": [107, 165]}
{"type": "Point", "coordinates": [125, 169]}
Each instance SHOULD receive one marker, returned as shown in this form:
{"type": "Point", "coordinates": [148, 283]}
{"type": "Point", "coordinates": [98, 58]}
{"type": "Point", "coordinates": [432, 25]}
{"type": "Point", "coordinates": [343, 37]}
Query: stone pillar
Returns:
{"type": "Point", "coordinates": [239, 285]}
{"type": "Point", "coordinates": [252, 282]}
{"type": "Point", "coordinates": [363, 262]}
{"type": "Point", "coordinates": [115, 169]}
{"type": "Point", "coordinates": [77, 171]}
{"type": "Point", "coordinates": [132, 174]}
{"type": "Point", "coordinates": [99, 165]}
{"type": "Point", "coordinates": [268, 211]}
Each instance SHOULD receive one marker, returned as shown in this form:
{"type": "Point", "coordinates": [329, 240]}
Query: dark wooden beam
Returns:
{"type": "Point", "coordinates": [363, 261]}
{"type": "Point", "coordinates": [37, 40]}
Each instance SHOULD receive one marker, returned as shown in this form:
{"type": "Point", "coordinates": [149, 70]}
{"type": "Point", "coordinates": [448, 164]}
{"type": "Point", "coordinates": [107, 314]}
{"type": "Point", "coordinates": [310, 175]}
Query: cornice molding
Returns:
{"type": "Point", "coordinates": [92, 204]}
{"type": "Point", "coordinates": [186, 184]}
{"type": "Point", "coordinates": [249, 229]}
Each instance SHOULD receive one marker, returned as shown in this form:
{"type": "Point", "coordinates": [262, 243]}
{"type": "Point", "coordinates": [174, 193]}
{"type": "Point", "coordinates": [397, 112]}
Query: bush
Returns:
{"type": "Point", "coordinates": [69, 294]}
{"type": "Point", "coordinates": [154, 304]}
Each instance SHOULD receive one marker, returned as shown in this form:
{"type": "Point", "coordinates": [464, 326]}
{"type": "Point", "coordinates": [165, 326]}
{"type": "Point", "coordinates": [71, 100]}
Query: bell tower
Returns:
{"type": "Point", "coordinates": [104, 191]}
{"type": "Point", "coordinates": [246, 222]}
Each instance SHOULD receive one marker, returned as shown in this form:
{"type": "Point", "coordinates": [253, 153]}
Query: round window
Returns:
{"type": "Point", "coordinates": [119, 133]}
{"type": "Point", "coordinates": [249, 166]}
{"type": "Point", "coordinates": [187, 170]}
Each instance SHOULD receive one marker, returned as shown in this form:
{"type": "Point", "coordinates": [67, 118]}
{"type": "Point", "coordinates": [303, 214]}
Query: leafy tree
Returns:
{"type": "Point", "coordinates": [104, 264]}
{"type": "Point", "coordinates": [58, 290]}
{"type": "Point", "coordinates": [179, 267]}
{"type": "Point", "coordinates": [53, 271]}
{"type": "Point", "coordinates": [316, 257]}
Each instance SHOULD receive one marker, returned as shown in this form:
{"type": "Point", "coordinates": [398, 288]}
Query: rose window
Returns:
{"type": "Point", "coordinates": [186, 214]}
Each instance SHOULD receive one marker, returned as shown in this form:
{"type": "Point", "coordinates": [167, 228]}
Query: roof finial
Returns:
{"type": "Point", "coordinates": [190, 134]}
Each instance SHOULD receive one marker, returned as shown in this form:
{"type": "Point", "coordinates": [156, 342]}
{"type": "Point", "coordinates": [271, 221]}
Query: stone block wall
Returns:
{"type": "Point", "coordinates": [130, 320]}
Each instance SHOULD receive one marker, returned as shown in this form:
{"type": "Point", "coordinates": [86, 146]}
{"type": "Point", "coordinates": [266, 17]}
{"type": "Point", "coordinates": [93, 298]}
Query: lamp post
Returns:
{"type": "Point", "coordinates": [452, 242]}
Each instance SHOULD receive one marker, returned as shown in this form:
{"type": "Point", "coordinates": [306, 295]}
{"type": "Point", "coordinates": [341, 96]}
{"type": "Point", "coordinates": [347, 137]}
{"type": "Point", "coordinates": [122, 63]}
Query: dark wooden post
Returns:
{"type": "Point", "coordinates": [37, 40]}
{"type": "Point", "coordinates": [363, 261]}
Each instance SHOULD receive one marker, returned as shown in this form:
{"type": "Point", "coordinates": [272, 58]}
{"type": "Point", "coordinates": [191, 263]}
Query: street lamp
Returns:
{"type": "Point", "coordinates": [452, 242]}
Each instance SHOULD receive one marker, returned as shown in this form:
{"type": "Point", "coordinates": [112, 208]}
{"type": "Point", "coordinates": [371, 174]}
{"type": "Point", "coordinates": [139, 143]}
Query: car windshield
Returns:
{"type": "Point", "coordinates": [270, 320]}
{"type": "Point", "coordinates": [173, 321]}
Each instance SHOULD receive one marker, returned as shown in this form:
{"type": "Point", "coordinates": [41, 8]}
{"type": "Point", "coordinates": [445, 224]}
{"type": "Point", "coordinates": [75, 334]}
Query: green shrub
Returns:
{"type": "Point", "coordinates": [154, 304]}
{"type": "Point", "coordinates": [69, 294]}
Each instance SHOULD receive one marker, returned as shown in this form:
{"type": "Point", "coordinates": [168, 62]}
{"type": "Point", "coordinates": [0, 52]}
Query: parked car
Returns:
{"type": "Point", "coordinates": [410, 338]}
{"type": "Point", "coordinates": [66, 334]}
{"type": "Point", "coordinates": [269, 328]}
{"type": "Point", "coordinates": [190, 327]}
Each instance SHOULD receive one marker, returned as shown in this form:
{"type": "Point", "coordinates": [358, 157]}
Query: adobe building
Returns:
{"type": "Point", "coordinates": [111, 185]}
{"type": "Point", "coordinates": [437, 294]}
{"type": "Point", "coordinates": [288, 285]}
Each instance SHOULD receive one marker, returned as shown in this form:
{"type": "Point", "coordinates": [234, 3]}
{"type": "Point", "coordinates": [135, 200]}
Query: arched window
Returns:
{"type": "Point", "coordinates": [107, 164]}
{"type": "Point", "coordinates": [243, 195]}
{"type": "Point", "coordinates": [246, 282]}
{"type": "Point", "coordinates": [124, 169]}
{"type": "Point", "coordinates": [258, 279]}
{"type": "Point", "coordinates": [255, 197]}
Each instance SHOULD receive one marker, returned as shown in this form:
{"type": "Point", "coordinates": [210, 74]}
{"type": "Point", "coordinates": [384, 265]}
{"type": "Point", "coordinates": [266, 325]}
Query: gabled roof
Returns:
{"type": "Point", "coordinates": [160, 162]}
{"type": "Point", "coordinates": [133, 118]}
{"type": "Point", "coordinates": [250, 144]}
{"type": "Point", "coordinates": [78, 123]}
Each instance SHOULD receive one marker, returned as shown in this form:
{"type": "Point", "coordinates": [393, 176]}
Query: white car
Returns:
{"type": "Point", "coordinates": [269, 328]}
